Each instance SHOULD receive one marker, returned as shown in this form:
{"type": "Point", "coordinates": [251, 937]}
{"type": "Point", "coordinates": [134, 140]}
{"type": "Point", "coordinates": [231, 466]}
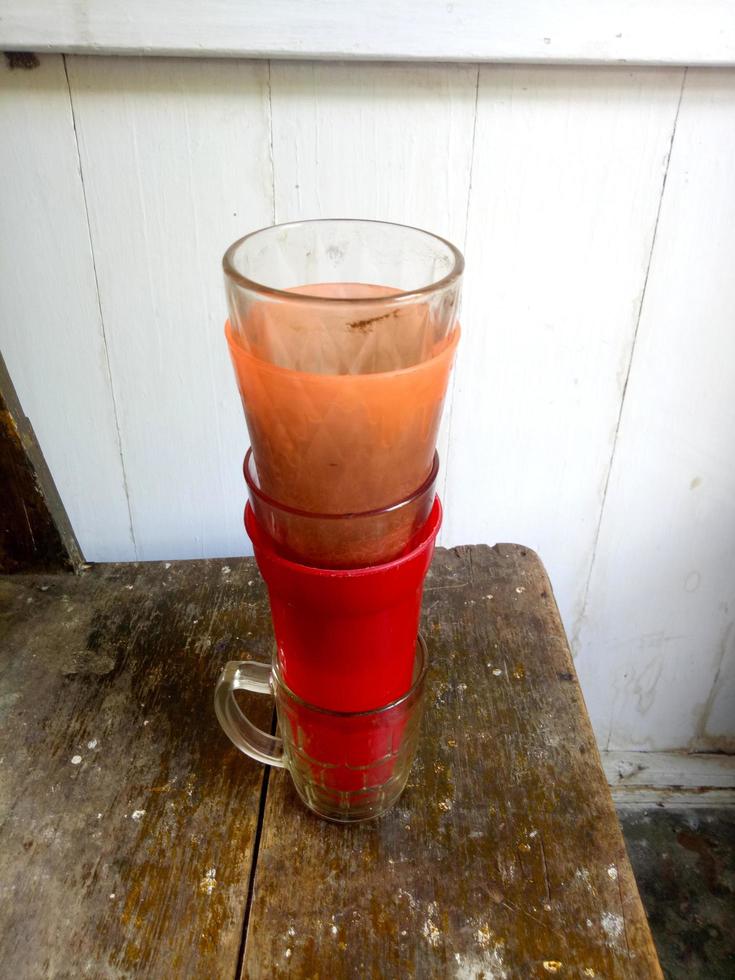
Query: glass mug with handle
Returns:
{"type": "Point", "coordinates": [346, 766]}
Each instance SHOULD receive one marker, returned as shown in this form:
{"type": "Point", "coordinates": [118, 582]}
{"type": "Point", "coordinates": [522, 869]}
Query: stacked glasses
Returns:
{"type": "Point", "coordinates": [342, 335]}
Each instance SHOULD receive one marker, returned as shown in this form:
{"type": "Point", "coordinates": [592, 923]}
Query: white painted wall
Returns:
{"type": "Point", "coordinates": [591, 415]}
{"type": "Point", "coordinates": [656, 635]}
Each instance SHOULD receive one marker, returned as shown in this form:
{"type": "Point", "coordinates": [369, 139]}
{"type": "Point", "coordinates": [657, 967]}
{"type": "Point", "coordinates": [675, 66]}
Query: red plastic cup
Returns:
{"type": "Point", "coordinates": [346, 638]}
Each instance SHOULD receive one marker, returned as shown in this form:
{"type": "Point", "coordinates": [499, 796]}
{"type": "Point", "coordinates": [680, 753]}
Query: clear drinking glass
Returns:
{"type": "Point", "coordinates": [346, 766]}
{"type": "Point", "coordinates": [342, 540]}
{"type": "Point", "coordinates": [342, 335]}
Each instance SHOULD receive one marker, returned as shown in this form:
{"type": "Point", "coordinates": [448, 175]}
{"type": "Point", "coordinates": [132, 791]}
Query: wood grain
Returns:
{"type": "Point", "coordinates": [51, 331]}
{"type": "Point", "coordinates": [127, 818]}
{"type": "Point", "coordinates": [176, 163]}
{"type": "Point", "coordinates": [683, 33]}
{"type": "Point", "coordinates": [35, 534]}
{"type": "Point", "coordinates": [504, 858]}
{"type": "Point", "coordinates": [657, 638]}
{"type": "Point", "coordinates": [567, 177]}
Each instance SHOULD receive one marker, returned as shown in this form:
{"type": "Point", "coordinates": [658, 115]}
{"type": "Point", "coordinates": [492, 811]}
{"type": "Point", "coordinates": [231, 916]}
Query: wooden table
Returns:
{"type": "Point", "coordinates": [136, 841]}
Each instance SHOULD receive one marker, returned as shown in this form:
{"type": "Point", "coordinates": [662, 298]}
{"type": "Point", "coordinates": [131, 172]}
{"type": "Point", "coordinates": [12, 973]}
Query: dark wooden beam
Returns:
{"type": "Point", "coordinates": [35, 532]}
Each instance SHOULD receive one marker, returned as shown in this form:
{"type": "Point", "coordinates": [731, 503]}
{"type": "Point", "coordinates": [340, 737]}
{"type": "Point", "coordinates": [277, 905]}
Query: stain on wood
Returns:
{"type": "Point", "coordinates": [128, 819]}
{"type": "Point", "coordinates": [35, 533]}
{"type": "Point", "coordinates": [129, 823]}
{"type": "Point", "coordinates": [504, 858]}
{"type": "Point", "coordinates": [25, 60]}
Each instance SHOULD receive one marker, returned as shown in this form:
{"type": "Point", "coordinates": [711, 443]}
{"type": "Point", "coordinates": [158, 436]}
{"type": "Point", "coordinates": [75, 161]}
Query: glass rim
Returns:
{"type": "Point", "coordinates": [228, 265]}
{"type": "Point", "coordinates": [350, 515]}
{"type": "Point", "coordinates": [426, 535]}
{"type": "Point", "coordinates": [421, 650]}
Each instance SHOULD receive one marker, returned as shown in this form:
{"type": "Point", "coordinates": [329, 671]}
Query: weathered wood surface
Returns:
{"type": "Point", "coordinates": [504, 858]}
{"type": "Point", "coordinates": [129, 823]}
{"type": "Point", "coordinates": [35, 533]}
{"type": "Point", "coordinates": [128, 819]}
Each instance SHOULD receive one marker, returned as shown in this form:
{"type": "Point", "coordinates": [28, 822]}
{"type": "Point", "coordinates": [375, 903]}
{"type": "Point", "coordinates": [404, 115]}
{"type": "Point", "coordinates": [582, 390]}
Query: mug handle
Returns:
{"type": "Point", "coordinates": [246, 675]}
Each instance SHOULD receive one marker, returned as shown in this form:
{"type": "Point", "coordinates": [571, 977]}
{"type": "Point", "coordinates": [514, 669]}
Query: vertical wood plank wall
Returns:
{"type": "Point", "coordinates": [656, 636]}
{"type": "Point", "coordinates": [51, 328]}
{"type": "Point", "coordinates": [592, 414]}
{"type": "Point", "coordinates": [175, 159]}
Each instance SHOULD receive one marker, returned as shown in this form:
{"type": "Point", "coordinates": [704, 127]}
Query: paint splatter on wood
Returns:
{"type": "Point", "coordinates": [496, 861]}
{"type": "Point", "coordinates": [129, 823]}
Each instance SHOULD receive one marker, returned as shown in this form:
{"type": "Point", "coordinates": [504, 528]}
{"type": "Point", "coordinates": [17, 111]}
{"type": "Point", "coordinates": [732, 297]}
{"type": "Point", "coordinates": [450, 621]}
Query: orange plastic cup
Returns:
{"type": "Point", "coordinates": [342, 443]}
{"type": "Point", "coordinates": [342, 336]}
